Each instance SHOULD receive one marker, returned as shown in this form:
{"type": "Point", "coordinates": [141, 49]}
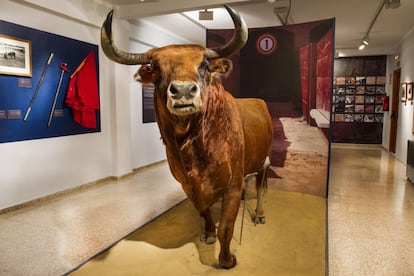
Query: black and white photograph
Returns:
{"type": "Point", "coordinates": [370, 90]}
{"type": "Point", "coordinates": [350, 89]}
{"type": "Point", "coordinates": [349, 99]}
{"type": "Point", "coordinates": [369, 118]}
{"type": "Point", "coordinates": [378, 108]}
{"type": "Point", "coordinates": [378, 118]}
{"type": "Point", "coordinates": [358, 117]}
{"type": "Point", "coordinates": [349, 108]}
{"type": "Point", "coordinates": [15, 56]}
{"type": "Point", "coordinates": [360, 80]}
{"type": "Point", "coordinates": [380, 90]}
{"type": "Point", "coordinates": [349, 118]}
{"type": "Point", "coordinates": [369, 99]}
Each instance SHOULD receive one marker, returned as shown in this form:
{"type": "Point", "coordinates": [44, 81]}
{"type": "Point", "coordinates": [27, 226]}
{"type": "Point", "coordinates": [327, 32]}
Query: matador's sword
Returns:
{"type": "Point", "coordinates": [64, 68]}
{"type": "Point", "coordinates": [38, 86]}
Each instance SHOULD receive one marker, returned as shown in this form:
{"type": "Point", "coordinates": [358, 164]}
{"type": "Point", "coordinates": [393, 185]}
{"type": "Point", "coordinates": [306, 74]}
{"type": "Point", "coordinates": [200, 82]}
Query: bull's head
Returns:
{"type": "Point", "coordinates": [180, 71]}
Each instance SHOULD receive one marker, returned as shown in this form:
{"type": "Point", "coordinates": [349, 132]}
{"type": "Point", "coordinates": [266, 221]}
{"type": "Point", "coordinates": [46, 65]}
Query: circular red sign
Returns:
{"type": "Point", "coordinates": [266, 44]}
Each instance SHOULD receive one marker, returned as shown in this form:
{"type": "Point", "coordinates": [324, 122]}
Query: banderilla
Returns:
{"type": "Point", "coordinates": [64, 68]}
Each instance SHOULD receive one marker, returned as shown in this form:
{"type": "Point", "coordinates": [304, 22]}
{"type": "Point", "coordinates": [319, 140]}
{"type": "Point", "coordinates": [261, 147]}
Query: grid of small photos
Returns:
{"type": "Point", "coordinates": [358, 99]}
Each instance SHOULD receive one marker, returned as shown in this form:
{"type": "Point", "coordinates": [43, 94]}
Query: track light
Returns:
{"type": "Point", "coordinates": [361, 47]}
{"type": "Point", "coordinates": [205, 15]}
{"type": "Point", "coordinates": [365, 41]}
{"type": "Point", "coordinates": [392, 4]}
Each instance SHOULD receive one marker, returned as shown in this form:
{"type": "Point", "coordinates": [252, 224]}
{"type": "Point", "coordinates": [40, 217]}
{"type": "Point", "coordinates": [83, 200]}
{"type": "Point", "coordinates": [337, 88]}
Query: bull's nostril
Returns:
{"type": "Point", "coordinates": [194, 89]}
{"type": "Point", "coordinates": [173, 89]}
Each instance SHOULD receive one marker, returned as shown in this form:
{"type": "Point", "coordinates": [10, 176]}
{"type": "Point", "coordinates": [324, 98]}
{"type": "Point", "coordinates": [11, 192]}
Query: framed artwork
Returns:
{"type": "Point", "coordinates": [403, 92]}
{"type": "Point", "coordinates": [409, 91]}
{"type": "Point", "coordinates": [15, 56]}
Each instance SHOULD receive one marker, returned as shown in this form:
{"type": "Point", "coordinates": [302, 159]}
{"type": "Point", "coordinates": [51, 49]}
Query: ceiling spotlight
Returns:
{"type": "Point", "coordinates": [392, 4]}
{"type": "Point", "coordinates": [365, 42]}
{"type": "Point", "coordinates": [205, 15]}
{"type": "Point", "coordinates": [361, 47]}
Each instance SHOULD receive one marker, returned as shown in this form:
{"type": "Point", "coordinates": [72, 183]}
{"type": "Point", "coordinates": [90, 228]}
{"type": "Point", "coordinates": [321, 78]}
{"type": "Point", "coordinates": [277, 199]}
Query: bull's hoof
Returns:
{"type": "Point", "coordinates": [208, 237]}
{"type": "Point", "coordinates": [230, 264]}
{"type": "Point", "coordinates": [259, 220]}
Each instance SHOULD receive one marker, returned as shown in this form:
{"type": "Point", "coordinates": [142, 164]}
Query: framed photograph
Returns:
{"type": "Point", "coordinates": [409, 91]}
{"type": "Point", "coordinates": [404, 92]}
{"type": "Point", "coordinates": [15, 56]}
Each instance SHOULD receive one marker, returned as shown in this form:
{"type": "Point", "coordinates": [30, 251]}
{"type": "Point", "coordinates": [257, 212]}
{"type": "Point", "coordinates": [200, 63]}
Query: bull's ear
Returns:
{"type": "Point", "coordinates": [146, 74]}
{"type": "Point", "coordinates": [220, 67]}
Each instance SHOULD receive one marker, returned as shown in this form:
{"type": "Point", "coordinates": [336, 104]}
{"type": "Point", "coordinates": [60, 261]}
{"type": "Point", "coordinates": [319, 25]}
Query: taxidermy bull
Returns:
{"type": "Point", "coordinates": [212, 140]}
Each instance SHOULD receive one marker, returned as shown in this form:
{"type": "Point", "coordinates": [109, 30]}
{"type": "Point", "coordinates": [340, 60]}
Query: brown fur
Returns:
{"type": "Point", "coordinates": [211, 151]}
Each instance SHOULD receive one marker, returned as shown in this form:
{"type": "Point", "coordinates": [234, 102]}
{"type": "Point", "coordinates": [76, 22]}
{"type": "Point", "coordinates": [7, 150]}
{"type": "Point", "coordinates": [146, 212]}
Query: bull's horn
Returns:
{"type": "Point", "coordinates": [239, 38]}
{"type": "Point", "coordinates": [112, 52]}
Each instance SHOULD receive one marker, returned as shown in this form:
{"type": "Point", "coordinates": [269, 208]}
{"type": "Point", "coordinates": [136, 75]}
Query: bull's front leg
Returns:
{"type": "Point", "coordinates": [230, 207]}
{"type": "Point", "coordinates": [209, 235]}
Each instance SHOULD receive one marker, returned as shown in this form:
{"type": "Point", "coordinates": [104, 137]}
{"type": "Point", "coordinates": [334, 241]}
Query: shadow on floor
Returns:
{"type": "Point", "coordinates": [291, 242]}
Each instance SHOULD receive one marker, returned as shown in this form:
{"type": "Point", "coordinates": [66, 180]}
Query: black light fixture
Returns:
{"type": "Point", "coordinates": [281, 8]}
{"type": "Point", "coordinates": [392, 4]}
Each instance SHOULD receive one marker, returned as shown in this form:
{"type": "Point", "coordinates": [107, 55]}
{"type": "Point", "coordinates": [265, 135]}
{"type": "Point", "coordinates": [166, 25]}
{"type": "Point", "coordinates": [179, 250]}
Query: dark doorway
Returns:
{"type": "Point", "coordinates": [395, 100]}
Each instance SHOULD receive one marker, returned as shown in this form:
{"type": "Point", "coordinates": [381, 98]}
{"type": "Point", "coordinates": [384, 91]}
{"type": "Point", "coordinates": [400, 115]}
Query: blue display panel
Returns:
{"type": "Point", "coordinates": [16, 91]}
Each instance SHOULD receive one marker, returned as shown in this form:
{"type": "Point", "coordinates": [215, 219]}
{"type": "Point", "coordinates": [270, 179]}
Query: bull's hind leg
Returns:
{"type": "Point", "coordinates": [261, 185]}
{"type": "Point", "coordinates": [209, 235]}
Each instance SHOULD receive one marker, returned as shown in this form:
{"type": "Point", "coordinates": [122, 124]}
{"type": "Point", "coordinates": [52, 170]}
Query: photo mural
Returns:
{"type": "Point", "coordinates": [49, 85]}
{"type": "Point", "coordinates": [291, 68]}
{"type": "Point", "coordinates": [358, 98]}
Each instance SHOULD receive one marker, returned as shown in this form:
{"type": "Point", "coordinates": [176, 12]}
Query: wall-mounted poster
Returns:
{"type": "Point", "coordinates": [148, 113]}
{"type": "Point", "coordinates": [28, 108]}
{"type": "Point", "coordinates": [404, 92]}
{"type": "Point", "coordinates": [409, 91]}
{"type": "Point", "coordinates": [15, 56]}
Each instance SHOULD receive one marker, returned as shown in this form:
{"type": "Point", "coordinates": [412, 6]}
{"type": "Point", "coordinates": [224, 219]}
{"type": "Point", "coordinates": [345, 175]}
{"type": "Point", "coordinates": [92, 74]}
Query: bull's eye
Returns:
{"type": "Point", "coordinates": [202, 68]}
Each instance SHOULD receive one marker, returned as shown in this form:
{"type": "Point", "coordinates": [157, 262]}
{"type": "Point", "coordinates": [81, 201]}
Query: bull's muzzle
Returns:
{"type": "Point", "coordinates": [184, 98]}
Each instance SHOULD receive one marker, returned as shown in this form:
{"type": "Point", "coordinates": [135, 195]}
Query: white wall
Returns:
{"type": "Point", "coordinates": [405, 119]}
{"type": "Point", "coordinates": [147, 146]}
{"type": "Point", "coordinates": [35, 168]}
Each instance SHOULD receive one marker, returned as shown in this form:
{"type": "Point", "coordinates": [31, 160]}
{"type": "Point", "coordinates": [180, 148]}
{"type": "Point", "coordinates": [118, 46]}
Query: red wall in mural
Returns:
{"type": "Point", "coordinates": [292, 63]}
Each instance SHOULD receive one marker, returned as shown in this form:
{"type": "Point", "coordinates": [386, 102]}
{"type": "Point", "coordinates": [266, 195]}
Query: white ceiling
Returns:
{"type": "Point", "coordinates": [353, 18]}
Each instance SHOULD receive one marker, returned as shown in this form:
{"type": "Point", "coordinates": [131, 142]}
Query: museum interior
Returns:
{"type": "Point", "coordinates": [116, 135]}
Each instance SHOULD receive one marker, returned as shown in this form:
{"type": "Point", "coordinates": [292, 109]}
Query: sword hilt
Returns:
{"type": "Point", "coordinates": [64, 66]}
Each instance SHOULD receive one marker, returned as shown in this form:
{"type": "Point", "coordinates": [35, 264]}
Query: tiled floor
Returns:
{"type": "Point", "coordinates": [53, 238]}
{"type": "Point", "coordinates": [371, 218]}
{"type": "Point", "coordinates": [371, 213]}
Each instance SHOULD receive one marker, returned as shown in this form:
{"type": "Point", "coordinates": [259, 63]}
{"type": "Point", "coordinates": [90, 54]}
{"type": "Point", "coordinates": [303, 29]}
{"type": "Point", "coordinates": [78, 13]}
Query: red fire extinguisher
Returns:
{"type": "Point", "coordinates": [386, 103]}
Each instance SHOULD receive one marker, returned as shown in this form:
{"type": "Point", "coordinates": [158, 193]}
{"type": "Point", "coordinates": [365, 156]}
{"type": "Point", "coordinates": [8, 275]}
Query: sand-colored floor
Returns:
{"type": "Point", "coordinates": [292, 242]}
